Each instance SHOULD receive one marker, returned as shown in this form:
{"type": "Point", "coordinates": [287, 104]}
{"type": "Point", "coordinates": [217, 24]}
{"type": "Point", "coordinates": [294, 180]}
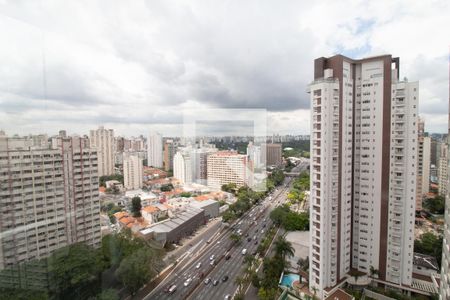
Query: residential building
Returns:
{"type": "Point", "coordinates": [363, 171]}
{"type": "Point", "coordinates": [255, 155]}
{"type": "Point", "coordinates": [169, 153]}
{"type": "Point", "coordinates": [443, 169]}
{"type": "Point", "coordinates": [445, 263]}
{"type": "Point", "coordinates": [132, 171]}
{"type": "Point", "coordinates": [48, 199]}
{"type": "Point", "coordinates": [103, 140]}
{"type": "Point", "coordinates": [225, 167]}
{"type": "Point", "coordinates": [182, 166]}
{"type": "Point", "coordinates": [420, 137]}
{"type": "Point", "coordinates": [273, 154]}
{"type": "Point", "coordinates": [426, 165]}
{"type": "Point", "coordinates": [155, 150]}
{"type": "Point", "coordinates": [199, 160]}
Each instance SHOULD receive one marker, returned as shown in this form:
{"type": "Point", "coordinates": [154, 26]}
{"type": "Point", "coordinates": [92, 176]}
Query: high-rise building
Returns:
{"type": "Point", "coordinates": [443, 169]}
{"type": "Point", "coordinates": [272, 154]}
{"type": "Point", "coordinates": [420, 136]}
{"type": "Point", "coordinates": [426, 173]}
{"type": "Point", "coordinates": [199, 159]}
{"type": "Point", "coordinates": [169, 153]}
{"type": "Point", "coordinates": [254, 154]}
{"type": "Point", "coordinates": [155, 150]}
{"type": "Point", "coordinates": [363, 170]}
{"type": "Point", "coordinates": [444, 293]}
{"type": "Point", "coordinates": [132, 171]}
{"type": "Point", "coordinates": [103, 140]}
{"type": "Point", "coordinates": [225, 167]}
{"type": "Point", "coordinates": [48, 199]}
{"type": "Point", "coordinates": [182, 166]}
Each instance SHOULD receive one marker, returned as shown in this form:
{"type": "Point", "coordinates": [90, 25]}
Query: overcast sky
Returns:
{"type": "Point", "coordinates": [135, 65]}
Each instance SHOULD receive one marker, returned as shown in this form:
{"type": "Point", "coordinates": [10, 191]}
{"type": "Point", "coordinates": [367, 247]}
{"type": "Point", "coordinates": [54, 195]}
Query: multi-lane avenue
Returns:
{"type": "Point", "coordinates": [209, 268]}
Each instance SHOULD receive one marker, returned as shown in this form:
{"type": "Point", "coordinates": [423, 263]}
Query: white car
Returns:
{"type": "Point", "coordinates": [188, 281]}
{"type": "Point", "coordinates": [198, 265]}
{"type": "Point", "coordinates": [212, 257]}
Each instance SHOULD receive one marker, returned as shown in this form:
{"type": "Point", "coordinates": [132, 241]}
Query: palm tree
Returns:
{"type": "Point", "coordinates": [240, 281]}
{"type": "Point", "coordinates": [283, 247]}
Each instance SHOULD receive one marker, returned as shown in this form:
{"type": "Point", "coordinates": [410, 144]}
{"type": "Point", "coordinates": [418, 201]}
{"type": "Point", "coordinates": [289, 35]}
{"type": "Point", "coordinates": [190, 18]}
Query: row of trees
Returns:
{"type": "Point", "coordinates": [290, 220]}
{"type": "Point", "coordinates": [76, 271]}
{"type": "Point", "coordinates": [246, 198]}
{"type": "Point", "coordinates": [272, 268]}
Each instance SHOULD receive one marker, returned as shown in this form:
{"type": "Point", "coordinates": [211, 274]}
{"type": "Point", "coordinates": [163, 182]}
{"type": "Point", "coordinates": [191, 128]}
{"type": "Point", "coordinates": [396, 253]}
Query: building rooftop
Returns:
{"type": "Point", "coordinates": [170, 224]}
{"type": "Point", "coordinates": [201, 204]}
{"type": "Point", "coordinates": [339, 295]}
{"type": "Point", "coordinates": [425, 261]}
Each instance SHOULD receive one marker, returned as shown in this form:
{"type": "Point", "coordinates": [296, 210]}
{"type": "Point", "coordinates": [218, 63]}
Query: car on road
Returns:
{"type": "Point", "coordinates": [172, 289]}
{"type": "Point", "coordinates": [213, 262]}
{"type": "Point", "coordinates": [215, 282]}
{"type": "Point", "coordinates": [207, 280]}
{"type": "Point", "coordinates": [188, 281]}
{"type": "Point", "coordinates": [212, 257]}
{"type": "Point", "coordinates": [228, 256]}
{"type": "Point", "coordinates": [249, 239]}
{"type": "Point", "coordinates": [256, 242]}
{"type": "Point", "coordinates": [244, 251]}
{"type": "Point", "coordinates": [198, 265]}
{"type": "Point", "coordinates": [225, 278]}
{"type": "Point", "coordinates": [228, 297]}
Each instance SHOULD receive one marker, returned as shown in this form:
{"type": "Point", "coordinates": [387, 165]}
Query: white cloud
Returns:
{"type": "Point", "coordinates": [135, 65]}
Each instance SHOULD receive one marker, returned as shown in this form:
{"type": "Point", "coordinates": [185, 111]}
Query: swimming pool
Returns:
{"type": "Point", "coordinates": [289, 279]}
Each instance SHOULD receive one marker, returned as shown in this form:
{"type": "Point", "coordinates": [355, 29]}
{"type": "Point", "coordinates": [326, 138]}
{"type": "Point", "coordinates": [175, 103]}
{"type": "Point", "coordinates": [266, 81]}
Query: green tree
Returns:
{"type": "Point", "coordinates": [136, 206]}
{"type": "Point", "coordinates": [283, 247]}
{"type": "Point", "coordinates": [236, 238]}
{"type": "Point", "coordinates": [137, 269]}
{"type": "Point", "coordinates": [166, 187]}
{"type": "Point", "coordinates": [108, 294]}
{"type": "Point", "coordinates": [429, 244]}
{"type": "Point", "coordinates": [185, 194]}
{"type": "Point", "coordinates": [435, 205]}
{"type": "Point", "coordinates": [74, 271]}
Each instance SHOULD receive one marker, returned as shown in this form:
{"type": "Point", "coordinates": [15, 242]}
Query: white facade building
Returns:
{"type": "Point", "coordinates": [363, 170]}
{"type": "Point", "coordinates": [443, 169]}
{"type": "Point", "coordinates": [426, 165]}
{"type": "Point", "coordinates": [226, 167]}
{"type": "Point", "coordinates": [132, 171]}
{"type": "Point", "coordinates": [182, 166]}
{"type": "Point", "coordinates": [155, 150]}
{"type": "Point", "coordinates": [444, 293]}
{"type": "Point", "coordinates": [103, 140]}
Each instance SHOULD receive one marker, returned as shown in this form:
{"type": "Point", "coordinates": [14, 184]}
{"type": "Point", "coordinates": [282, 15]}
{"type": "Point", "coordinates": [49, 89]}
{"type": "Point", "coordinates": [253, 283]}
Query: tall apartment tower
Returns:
{"type": "Point", "coordinates": [443, 169]}
{"type": "Point", "coordinates": [103, 140]}
{"type": "Point", "coordinates": [154, 150]}
{"type": "Point", "coordinates": [48, 199]}
{"type": "Point", "coordinates": [132, 171]}
{"type": "Point", "coordinates": [273, 154]}
{"type": "Point", "coordinates": [420, 136]}
{"type": "Point", "coordinates": [169, 153]}
{"type": "Point", "coordinates": [363, 170]}
{"type": "Point", "coordinates": [444, 293]}
{"type": "Point", "coordinates": [182, 166]}
{"type": "Point", "coordinates": [426, 162]}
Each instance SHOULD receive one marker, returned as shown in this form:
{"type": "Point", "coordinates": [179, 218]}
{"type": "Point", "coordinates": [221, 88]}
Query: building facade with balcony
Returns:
{"type": "Point", "coordinates": [363, 170]}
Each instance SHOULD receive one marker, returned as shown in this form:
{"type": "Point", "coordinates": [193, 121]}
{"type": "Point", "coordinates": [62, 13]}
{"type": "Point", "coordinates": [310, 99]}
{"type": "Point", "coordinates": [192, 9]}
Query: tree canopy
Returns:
{"type": "Point", "coordinates": [136, 206]}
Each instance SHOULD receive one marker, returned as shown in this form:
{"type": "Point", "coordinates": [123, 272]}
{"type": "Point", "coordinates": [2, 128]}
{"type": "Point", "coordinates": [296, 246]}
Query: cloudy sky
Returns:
{"type": "Point", "coordinates": [136, 65]}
